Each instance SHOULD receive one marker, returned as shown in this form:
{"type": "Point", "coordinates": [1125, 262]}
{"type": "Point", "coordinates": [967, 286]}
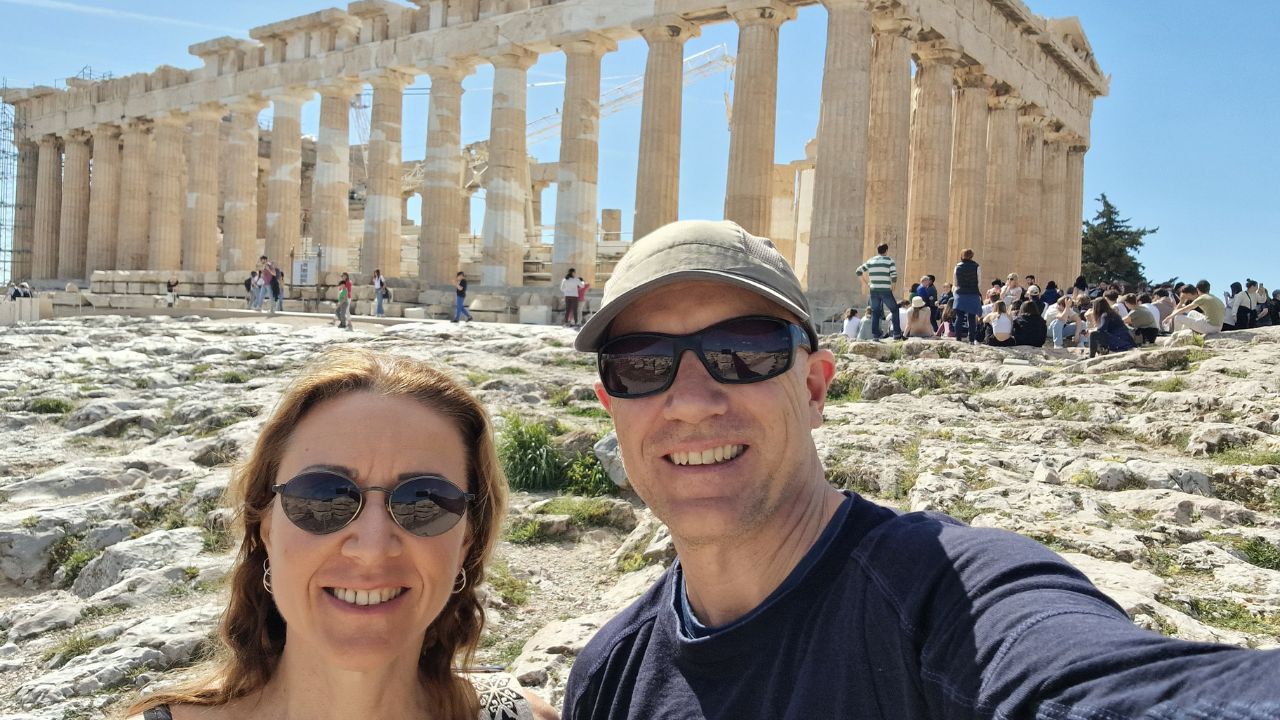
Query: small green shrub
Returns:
{"type": "Point", "coordinates": [1257, 551]}
{"type": "Point", "coordinates": [79, 558]}
{"type": "Point", "coordinates": [588, 411]}
{"type": "Point", "coordinates": [631, 562]}
{"type": "Point", "coordinates": [29, 522]}
{"type": "Point", "coordinates": [1247, 456]}
{"type": "Point", "coordinates": [845, 387]}
{"type": "Point", "coordinates": [252, 355]}
{"type": "Point", "coordinates": [560, 396]}
{"type": "Point", "coordinates": [1198, 355]}
{"type": "Point", "coordinates": [587, 477]}
{"type": "Point", "coordinates": [49, 406]}
{"type": "Point", "coordinates": [527, 532]}
{"type": "Point", "coordinates": [529, 458]}
{"type": "Point", "coordinates": [95, 612]}
{"type": "Point", "coordinates": [582, 512]}
{"type": "Point", "coordinates": [74, 646]}
{"type": "Point", "coordinates": [1065, 408]}
{"type": "Point", "coordinates": [1173, 384]}
{"type": "Point", "coordinates": [510, 588]}
{"type": "Point", "coordinates": [511, 370]}
{"type": "Point", "coordinates": [1235, 372]}
{"type": "Point", "coordinates": [963, 510]}
{"type": "Point", "coordinates": [477, 378]}
{"type": "Point", "coordinates": [907, 478]}
{"type": "Point", "coordinates": [234, 377]}
{"type": "Point", "coordinates": [1228, 614]}
{"type": "Point", "coordinates": [215, 540]}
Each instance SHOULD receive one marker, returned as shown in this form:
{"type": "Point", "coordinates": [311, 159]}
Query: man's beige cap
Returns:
{"type": "Point", "coordinates": [698, 250]}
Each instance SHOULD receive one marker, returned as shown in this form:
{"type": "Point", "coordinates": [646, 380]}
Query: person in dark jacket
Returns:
{"type": "Point", "coordinates": [1051, 293]}
{"type": "Point", "coordinates": [1028, 327]}
{"type": "Point", "coordinates": [967, 298]}
{"type": "Point", "coordinates": [1111, 335]}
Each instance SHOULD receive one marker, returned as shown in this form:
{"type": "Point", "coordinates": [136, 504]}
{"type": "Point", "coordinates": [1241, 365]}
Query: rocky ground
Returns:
{"type": "Point", "coordinates": [1156, 472]}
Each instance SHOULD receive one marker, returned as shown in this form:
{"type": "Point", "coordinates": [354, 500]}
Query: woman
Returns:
{"type": "Point", "coordinates": [1240, 309]}
{"type": "Point", "coordinates": [569, 288]}
{"type": "Point", "coordinates": [865, 327]}
{"type": "Point", "coordinates": [919, 319]}
{"type": "Point", "coordinates": [1051, 293]}
{"type": "Point", "coordinates": [851, 324]}
{"type": "Point", "coordinates": [968, 298]}
{"type": "Point", "coordinates": [1001, 325]}
{"type": "Point", "coordinates": [370, 506]}
{"type": "Point", "coordinates": [379, 293]}
{"type": "Point", "coordinates": [343, 311]}
{"type": "Point", "coordinates": [1029, 328]}
{"type": "Point", "coordinates": [946, 326]}
{"type": "Point", "coordinates": [1110, 333]}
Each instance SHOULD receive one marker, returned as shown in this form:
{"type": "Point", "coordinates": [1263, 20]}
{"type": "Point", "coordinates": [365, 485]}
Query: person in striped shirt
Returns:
{"type": "Point", "coordinates": [880, 273]}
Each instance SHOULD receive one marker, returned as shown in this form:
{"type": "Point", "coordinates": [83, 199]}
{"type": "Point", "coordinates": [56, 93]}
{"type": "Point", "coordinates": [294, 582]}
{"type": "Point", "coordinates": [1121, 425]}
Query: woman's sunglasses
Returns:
{"type": "Point", "coordinates": [740, 350]}
{"type": "Point", "coordinates": [322, 502]}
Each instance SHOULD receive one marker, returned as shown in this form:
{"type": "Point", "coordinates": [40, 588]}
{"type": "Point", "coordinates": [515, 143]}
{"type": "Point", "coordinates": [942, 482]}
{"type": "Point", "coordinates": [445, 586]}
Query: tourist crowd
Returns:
{"type": "Point", "coordinates": [1011, 311]}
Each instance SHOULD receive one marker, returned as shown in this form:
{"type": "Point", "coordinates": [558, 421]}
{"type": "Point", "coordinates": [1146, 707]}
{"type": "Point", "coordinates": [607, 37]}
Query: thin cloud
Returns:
{"type": "Point", "coordinates": [62, 6]}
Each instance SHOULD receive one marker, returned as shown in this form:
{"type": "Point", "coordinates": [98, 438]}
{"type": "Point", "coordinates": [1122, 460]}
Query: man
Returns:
{"type": "Point", "coordinates": [1140, 319]}
{"type": "Point", "coordinates": [791, 599]}
{"type": "Point", "coordinates": [460, 297]}
{"type": "Point", "coordinates": [1163, 304]}
{"type": "Point", "coordinates": [879, 273]}
{"type": "Point", "coordinates": [1200, 311]}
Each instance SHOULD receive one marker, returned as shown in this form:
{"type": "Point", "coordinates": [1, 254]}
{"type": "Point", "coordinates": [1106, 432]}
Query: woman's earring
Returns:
{"type": "Point", "coordinates": [461, 584]}
{"type": "Point", "coordinates": [266, 575]}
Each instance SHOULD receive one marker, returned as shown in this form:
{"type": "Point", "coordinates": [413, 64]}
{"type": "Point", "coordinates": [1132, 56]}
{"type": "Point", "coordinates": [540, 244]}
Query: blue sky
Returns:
{"type": "Point", "coordinates": [1185, 142]}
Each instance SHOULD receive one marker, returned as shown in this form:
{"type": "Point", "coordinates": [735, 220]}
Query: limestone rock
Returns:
{"type": "Point", "coordinates": [151, 551]}
{"type": "Point", "coordinates": [610, 456]}
{"type": "Point", "coordinates": [877, 387]}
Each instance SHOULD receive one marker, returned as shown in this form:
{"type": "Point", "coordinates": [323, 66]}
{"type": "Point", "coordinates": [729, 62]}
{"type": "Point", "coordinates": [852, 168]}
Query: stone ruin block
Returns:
{"type": "Point", "coordinates": [535, 315]}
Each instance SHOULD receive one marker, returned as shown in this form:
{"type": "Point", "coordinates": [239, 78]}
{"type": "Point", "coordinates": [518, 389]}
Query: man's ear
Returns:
{"type": "Point", "coordinates": [821, 370]}
{"type": "Point", "coordinates": [604, 398]}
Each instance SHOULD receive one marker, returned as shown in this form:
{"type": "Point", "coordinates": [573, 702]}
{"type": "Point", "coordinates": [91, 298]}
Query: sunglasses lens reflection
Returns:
{"type": "Point", "coordinates": [427, 506]}
{"type": "Point", "coordinates": [320, 503]}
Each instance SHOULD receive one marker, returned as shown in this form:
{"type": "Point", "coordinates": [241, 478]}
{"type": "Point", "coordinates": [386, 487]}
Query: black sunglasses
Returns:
{"type": "Point", "coordinates": [735, 351]}
{"type": "Point", "coordinates": [322, 502]}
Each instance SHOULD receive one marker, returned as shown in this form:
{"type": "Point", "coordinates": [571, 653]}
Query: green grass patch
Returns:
{"type": "Point", "coordinates": [528, 532]}
{"type": "Point", "coordinates": [588, 411]}
{"type": "Point", "coordinates": [1256, 550]}
{"type": "Point", "coordinates": [582, 512]}
{"type": "Point", "coordinates": [215, 540]}
{"type": "Point", "coordinates": [906, 479]}
{"type": "Point", "coordinates": [1234, 372]}
{"type": "Point", "coordinates": [251, 355]}
{"type": "Point", "coordinates": [962, 510]}
{"type": "Point", "coordinates": [29, 522]}
{"type": "Point", "coordinates": [478, 378]}
{"type": "Point", "coordinates": [70, 556]}
{"type": "Point", "coordinates": [97, 612]}
{"type": "Point", "coordinates": [560, 396]}
{"type": "Point", "coordinates": [233, 377]}
{"type": "Point", "coordinates": [200, 369]}
{"type": "Point", "coordinates": [510, 588]}
{"type": "Point", "coordinates": [858, 477]}
{"type": "Point", "coordinates": [1230, 615]}
{"type": "Point", "coordinates": [587, 477]}
{"type": "Point", "coordinates": [529, 457]}
{"type": "Point", "coordinates": [49, 406]}
{"type": "Point", "coordinates": [1065, 408]}
{"type": "Point", "coordinates": [894, 354]}
{"type": "Point", "coordinates": [1173, 384]}
{"type": "Point", "coordinates": [511, 370]}
{"type": "Point", "coordinates": [1247, 456]}
{"type": "Point", "coordinates": [74, 646]}
{"type": "Point", "coordinates": [631, 562]}
{"type": "Point", "coordinates": [845, 387]}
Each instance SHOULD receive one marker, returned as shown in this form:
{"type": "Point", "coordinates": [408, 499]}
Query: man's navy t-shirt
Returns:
{"type": "Point", "coordinates": [914, 616]}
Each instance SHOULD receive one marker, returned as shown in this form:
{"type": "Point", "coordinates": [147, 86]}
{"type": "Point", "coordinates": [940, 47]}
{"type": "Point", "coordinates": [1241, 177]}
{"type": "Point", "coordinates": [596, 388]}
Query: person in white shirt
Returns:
{"type": "Point", "coordinates": [851, 323]}
{"type": "Point", "coordinates": [1012, 294]}
{"type": "Point", "coordinates": [1001, 325]}
{"type": "Point", "coordinates": [1062, 320]}
{"type": "Point", "coordinates": [569, 287]}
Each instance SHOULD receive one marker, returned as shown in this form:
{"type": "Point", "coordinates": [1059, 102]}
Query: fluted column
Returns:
{"type": "Point", "coordinates": [890, 126]}
{"type": "Point", "coordinates": [840, 176]}
{"type": "Point", "coordinates": [658, 170]}
{"type": "Point", "coordinates": [132, 249]}
{"type": "Point", "coordinates": [995, 253]}
{"type": "Point", "coordinates": [331, 187]}
{"type": "Point", "coordinates": [1074, 210]}
{"type": "Point", "coordinates": [578, 174]}
{"type": "Point", "coordinates": [442, 198]}
{"type": "Point", "coordinates": [104, 200]}
{"type": "Point", "coordinates": [966, 227]}
{"type": "Point", "coordinates": [748, 197]}
{"type": "Point", "coordinates": [382, 211]}
{"type": "Point", "coordinates": [506, 181]}
{"type": "Point", "coordinates": [200, 221]}
{"type": "Point", "coordinates": [240, 197]}
{"type": "Point", "coordinates": [1053, 211]}
{"type": "Point", "coordinates": [73, 226]}
{"type": "Point", "coordinates": [24, 214]}
{"type": "Point", "coordinates": [44, 254]}
{"type": "Point", "coordinates": [1028, 234]}
{"type": "Point", "coordinates": [929, 197]}
{"type": "Point", "coordinates": [284, 187]}
{"type": "Point", "coordinates": [167, 167]}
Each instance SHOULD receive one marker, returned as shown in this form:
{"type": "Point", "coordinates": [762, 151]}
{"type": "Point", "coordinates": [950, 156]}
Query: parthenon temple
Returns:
{"type": "Point", "coordinates": [944, 124]}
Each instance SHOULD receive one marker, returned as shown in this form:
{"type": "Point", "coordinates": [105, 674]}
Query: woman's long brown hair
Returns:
{"type": "Point", "coordinates": [252, 630]}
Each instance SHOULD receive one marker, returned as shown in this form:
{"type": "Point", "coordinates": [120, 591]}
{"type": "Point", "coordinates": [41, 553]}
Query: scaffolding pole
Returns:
{"type": "Point", "coordinates": [8, 191]}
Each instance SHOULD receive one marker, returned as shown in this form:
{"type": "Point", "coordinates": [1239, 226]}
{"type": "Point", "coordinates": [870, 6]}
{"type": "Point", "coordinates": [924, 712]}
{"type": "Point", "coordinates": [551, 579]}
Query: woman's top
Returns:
{"type": "Point", "coordinates": [864, 329]}
{"type": "Point", "coordinates": [1117, 333]}
{"type": "Point", "coordinates": [499, 694]}
{"type": "Point", "coordinates": [851, 327]}
{"type": "Point", "coordinates": [569, 287]}
{"type": "Point", "coordinates": [966, 278]}
{"type": "Point", "coordinates": [1050, 296]}
{"type": "Point", "coordinates": [1011, 295]}
{"type": "Point", "coordinates": [1029, 330]}
{"type": "Point", "coordinates": [1002, 325]}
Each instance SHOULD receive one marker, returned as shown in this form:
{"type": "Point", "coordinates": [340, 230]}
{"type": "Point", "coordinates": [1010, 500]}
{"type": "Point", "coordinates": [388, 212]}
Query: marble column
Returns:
{"type": "Point", "coordinates": [104, 200]}
{"type": "Point", "coordinates": [442, 200]}
{"type": "Point", "coordinates": [506, 182]}
{"type": "Point", "coordinates": [382, 215]}
{"type": "Point", "coordinates": [24, 214]}
{"type": "Point", "coordinates": [135, 168]}
{"type": "Point", "coordinates": [995, 253]}
{"type": "Point", "coordinates": [240, 196]}
{"type": "Point", "coordinates": [200, 222]}
{"type": "Point", "coordinates": [578, 174]}
{"type": "Point", "coordinates": [73, 227]}
{"type": "Point", "coordinates": [658, 170]}
{"type": "Point", "coordinates": [44, 254]}
{"type": "Point", "coordinates": [1074, 210]}
{"type": "Point", "coordinates": [890, 125]}
{"type": "Point", "coordinates": [840, 176]}
{"type": "Point", "coordinates": [929, 196]}
{"type": "Point", "coordinates": [966, 225]}
{"type": "Point", "coordinates": [167, 168]}
{"type": "Point", "coordinates": [749, 189]}
{"type": "Point", "coordinates": [1028, 235]}
{"type": "Point", "coordinates": [284, 187]}
{"type": "Point", "coordinates": [1053, 211]}
{"type": "Point", "coordinates": [331, 187]}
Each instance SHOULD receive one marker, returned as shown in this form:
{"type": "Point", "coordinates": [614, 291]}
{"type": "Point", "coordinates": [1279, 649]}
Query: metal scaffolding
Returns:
{"type": "Point", "coordinates": [8, 191]}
